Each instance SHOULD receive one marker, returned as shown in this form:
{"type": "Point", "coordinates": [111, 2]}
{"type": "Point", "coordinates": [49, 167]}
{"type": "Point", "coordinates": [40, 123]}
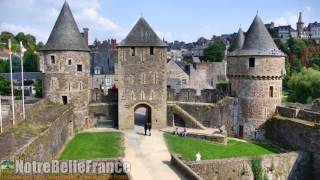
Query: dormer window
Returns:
{"type": "Point", "coordinates": [252, 62]}
{"type": "Point", "coordinates": [151, 50]}
{"type": "Point", "coordinates": [53, 59]}
{"type": "Point", "coordinates": [133, 51]}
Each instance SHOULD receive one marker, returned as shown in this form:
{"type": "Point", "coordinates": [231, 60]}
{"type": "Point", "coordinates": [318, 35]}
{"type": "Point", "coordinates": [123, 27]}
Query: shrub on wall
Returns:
{"type": "Point", "coordinates": [257, 169]}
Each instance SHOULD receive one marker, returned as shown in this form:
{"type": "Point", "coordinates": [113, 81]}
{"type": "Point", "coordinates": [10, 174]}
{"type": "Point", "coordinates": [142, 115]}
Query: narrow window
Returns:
{"type": "Point", "coordinates": [65, 100]}
{"type": "Point", "coordinates": [69, 62]}
{"type": "Point", "coordinates": [53, 60]}
{"type": "Point", "coordinates": [252, 62]}
{"type": "Point", "coordinates": [271, 91]}
{"type": "Point", "coordinates": [133, 51]}
{"type": "Point", "coordinates": [184, 81]}
{"type": "Point", "coordinates": [79, 67]}
{"type": "Point", "coordinates": [151, 50]}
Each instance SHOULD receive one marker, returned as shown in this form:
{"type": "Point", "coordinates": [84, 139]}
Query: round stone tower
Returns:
{"type": "Point", "coordinates": [66, 66]}
{"type": "Point", "coordinates": [255, 68]}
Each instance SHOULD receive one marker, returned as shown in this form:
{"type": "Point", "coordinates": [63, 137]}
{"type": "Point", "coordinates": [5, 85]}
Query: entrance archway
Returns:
{"type": "Point", "coordinates": [142, 114]}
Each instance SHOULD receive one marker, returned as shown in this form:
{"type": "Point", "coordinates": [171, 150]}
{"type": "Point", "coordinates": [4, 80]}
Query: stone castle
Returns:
{"type": "Point", "coordinates": [255, 68]}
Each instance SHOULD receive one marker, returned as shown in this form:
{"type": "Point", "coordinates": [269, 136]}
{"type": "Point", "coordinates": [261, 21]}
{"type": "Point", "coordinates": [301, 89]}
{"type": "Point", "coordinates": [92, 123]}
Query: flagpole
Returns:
{"type": "Point", "coordinates": [1, 130]}
{"type": "Point", "coordinates": [22, 80]}
{"type": "Point", "coordinates": [12, 97]}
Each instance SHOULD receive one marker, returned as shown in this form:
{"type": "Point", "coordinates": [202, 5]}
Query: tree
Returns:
{"type": "Point", "coordinates": [4, 86]}
{"type": "Point", "coordinates": [305, 86]}
{"type": "Point", "coordinates": [215, 52]}
{"type": "Point", "coordinates": [30, 61]}
{"type": "Point", "coordinates": [38, 87]}
{"type": "Point", "coordinates": [39, 45]}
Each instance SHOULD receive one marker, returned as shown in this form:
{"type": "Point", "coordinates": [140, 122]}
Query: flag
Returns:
{"type": "Point", "coordinates": [9, 46]}
{"type": "Point", "coordinates": [22, 49]}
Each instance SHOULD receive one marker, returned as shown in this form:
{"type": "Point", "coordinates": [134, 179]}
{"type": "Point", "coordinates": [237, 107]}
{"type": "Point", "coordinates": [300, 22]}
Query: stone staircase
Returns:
{"type": "Point", "coordinates": [186, 116]}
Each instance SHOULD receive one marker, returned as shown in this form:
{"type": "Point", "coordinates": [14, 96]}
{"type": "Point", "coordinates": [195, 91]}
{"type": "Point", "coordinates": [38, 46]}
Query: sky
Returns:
{"type": "Point", "coordinates": [185, 20]}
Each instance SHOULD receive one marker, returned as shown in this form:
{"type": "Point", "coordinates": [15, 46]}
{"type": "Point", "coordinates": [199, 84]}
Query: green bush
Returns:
{"type": "Point", "coordinates": [257, 169]}
{"type": "Point", "coordinates": [304, 86]}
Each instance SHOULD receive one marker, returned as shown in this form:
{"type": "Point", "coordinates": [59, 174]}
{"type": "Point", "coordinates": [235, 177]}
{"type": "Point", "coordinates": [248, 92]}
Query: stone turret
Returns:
{"type": "Point", "coordinates": [141, 72]}
{"type": "Point", "coordinates": [66, 66]}
{"type": "Point", "coordinates": [255, 72]}
{"type": "Point", "coordinates": [238, 41]}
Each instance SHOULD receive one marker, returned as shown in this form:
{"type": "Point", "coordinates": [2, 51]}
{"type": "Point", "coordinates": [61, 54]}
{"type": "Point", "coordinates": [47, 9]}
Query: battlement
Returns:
{"type": "Point", "coordinates": [206, 96]}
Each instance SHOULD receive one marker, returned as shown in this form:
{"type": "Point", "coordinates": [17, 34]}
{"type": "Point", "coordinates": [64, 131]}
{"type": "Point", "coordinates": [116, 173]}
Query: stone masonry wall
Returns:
{"type": "Point", "coordinates": [293, 165]}
{"type": "Point", "coordinates": [296, 134]}
{"type": "Point", "coordinates": [63, 78]}
{"type": "Point", "coordinates": [142, 81]}
{"type": "Point", "coordinates": [258, 89]}
{"type": "Point", "coordinates": [210, 115]}
{"type": "Point", "coordinates": [46, 146]}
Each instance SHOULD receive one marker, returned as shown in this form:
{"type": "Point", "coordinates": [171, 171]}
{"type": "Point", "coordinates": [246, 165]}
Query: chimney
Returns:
{"type": "Point", "coordinates": [85, 35]}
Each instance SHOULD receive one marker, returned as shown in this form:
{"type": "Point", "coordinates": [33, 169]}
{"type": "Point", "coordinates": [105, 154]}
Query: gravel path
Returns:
{"type": "Point", "coordinates": [148, 155]}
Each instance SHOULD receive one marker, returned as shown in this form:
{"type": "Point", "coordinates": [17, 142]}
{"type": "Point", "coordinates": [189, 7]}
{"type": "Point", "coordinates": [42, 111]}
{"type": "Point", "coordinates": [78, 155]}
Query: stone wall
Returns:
{"type": "Point", "coordinates": [303, 114]}
{"type": "Point", "coordinates": [183, 168]}
{"type": "Point", "coordinates": [107, 110]}
{"type": "Point", "coordinates": [258, 90]}
{"type": "Point", "coordinates": [296, 134]}
{"type": "Point", "coordinates": [68, 76]}
{"type": "Point", "coordinates": [287, 111]}
{"type": "Point", "coordinates": [46, 146]}
{"type": "Point", "coordinates": [316, 105]}
{"type": "Point", "coordinates": [29, 109]}
{"type": "Point", "coordinates": [206, 95]}
{"type": "Point", "coordinates": [209, 115]}
{"type": "Point", "coordinates": [293, 165]}
{"type": "Point", "coordinates": [142, 82]}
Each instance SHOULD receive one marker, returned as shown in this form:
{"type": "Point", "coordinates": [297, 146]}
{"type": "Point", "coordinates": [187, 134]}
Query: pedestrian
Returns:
{"type": "Point", "coordinates": [198, 156]}
{"type": "Point", "coordinates": [145, 128]}
{"type": "Point", "coordinates": [149, 127]}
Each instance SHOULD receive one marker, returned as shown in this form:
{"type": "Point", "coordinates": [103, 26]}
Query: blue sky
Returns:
{"type": "Point", "coordinates": [172, 19]}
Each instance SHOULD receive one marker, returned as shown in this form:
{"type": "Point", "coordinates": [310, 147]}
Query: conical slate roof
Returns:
{"type": "Point", "coordinates": [238, 41]}
{"type": "Point", "coordinates": [142, 35]}
{"type": "Point", "coordinates": [65, 34]}
{"type": "Point", "coordinates": [258, 41]}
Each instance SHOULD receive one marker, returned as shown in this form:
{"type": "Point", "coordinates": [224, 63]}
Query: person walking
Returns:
{"type": "Point", "coordinates": [145, 128]}
{"type": "Point", "coordinates": [149, 127]}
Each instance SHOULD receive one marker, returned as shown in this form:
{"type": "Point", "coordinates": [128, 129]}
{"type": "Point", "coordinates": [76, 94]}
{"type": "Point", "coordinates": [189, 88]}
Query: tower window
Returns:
{"type": "Point", "coordinates": [271, 91]}
{"type": "Point", "coordinates": [79, 67]}
{"type": "Point", "coordinates": [151, 50]}
{"type": "Point", "coordinates": [69, 62]}
{"type": "Point", "coordinates": [133, 51]}
{"type": "Point", "coordinates": [252, 62]}
{"type": "Point", "coordinates": [53, 59]}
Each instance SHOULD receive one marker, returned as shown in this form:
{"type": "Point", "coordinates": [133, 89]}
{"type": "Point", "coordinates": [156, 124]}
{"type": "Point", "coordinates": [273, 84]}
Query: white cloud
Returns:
{"type": "Point", "coordinates": [167, 36]}
{"type": "Point", "coordinates": [45, 12]}
{"type": "Point", "coordinates": [291, 17]}
{"type": "Point", "coordinates": [25, 29]}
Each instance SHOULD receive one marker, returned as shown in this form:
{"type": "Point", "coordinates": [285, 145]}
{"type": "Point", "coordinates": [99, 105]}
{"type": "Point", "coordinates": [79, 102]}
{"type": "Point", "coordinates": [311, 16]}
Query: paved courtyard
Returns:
{"type": "Point", "coordinates": [148, 155]}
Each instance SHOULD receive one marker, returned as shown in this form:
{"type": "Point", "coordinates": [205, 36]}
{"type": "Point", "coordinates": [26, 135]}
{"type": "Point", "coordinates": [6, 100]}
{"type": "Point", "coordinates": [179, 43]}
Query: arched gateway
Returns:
{"type": "Point", "coordinates": [141, 76]}
{"type": "Point", "coordinates": [142, 114]}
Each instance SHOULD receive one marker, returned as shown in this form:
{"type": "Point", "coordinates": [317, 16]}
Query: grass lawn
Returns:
{"type": "Point", "coordinates": [94, 146]}
{"type": "Point", "coordinates": [188, 147]}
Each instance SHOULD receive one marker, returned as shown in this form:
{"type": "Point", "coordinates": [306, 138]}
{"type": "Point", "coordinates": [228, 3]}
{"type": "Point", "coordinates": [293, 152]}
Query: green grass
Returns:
{"type": "Point", "coordinates": [188, 147]}
{"type": "Point", "coordinates": [94, 146]}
